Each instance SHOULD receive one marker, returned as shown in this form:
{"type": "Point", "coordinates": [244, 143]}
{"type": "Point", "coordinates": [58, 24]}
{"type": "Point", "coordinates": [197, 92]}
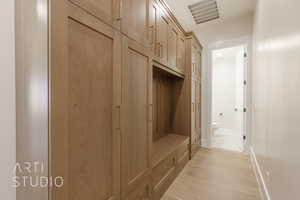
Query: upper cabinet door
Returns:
{"type": "Point", "coordinates": [172, 47]}
{"type": "Point", "coordinates": [135, 20]}
{"type": "Point", "coordinates": [106, 10]}
{"type": "Point", "coordinates": [163, 33]}
{"type": "Point", "coordinates": [181, 54]}
{"type": "Point", "coordinates": [136, 117]}
{"type": "Point", "coordinates": [153, 16]}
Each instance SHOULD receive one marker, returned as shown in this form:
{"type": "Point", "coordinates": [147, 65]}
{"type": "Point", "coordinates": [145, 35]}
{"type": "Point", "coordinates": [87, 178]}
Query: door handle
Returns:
{"type": "Point", "coordinates": [158, 49]}
{"type": "Point", "coordinates": [119, 14]}
{"type": "Point", "coordinates": [150, 112]}
{"type": "Point", "coordinates": [118, 117]}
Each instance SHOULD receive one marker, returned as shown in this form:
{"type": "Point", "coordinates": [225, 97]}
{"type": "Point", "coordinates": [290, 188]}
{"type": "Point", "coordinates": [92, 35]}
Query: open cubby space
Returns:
{"type": "Point", "coordinates": [167, 107]}
{"type": "Point", "coordinates": [169, 122]}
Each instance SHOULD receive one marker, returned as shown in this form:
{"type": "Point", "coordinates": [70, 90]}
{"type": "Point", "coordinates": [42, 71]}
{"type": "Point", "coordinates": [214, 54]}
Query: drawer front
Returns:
{"type": "Point", "coordinates": [162, 170]}
{"type": "Point", "coordinates": [182, 162]}
{"type": "Point", "coordinates": [182, 150]}
{"type": "Point", "coordinates": [142, 192]}
{"type": "Point", "coordinates": [164, 184]}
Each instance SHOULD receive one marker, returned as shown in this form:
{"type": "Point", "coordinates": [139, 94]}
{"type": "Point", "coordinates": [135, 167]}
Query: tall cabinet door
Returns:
{"type": "Point", "coordinates": [85, 101]}
{"type": "Point", "coordinates": [105, 10]}
{"type": "Point", "coordinates": [135, 20]}
{"type": "Point", "coordinates": [136, 119]}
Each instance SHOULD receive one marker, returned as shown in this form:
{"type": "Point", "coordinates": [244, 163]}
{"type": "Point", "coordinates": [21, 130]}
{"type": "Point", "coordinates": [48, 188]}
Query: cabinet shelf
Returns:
{"type": "Point", "coordinates": [166, 145]}
{"type": "Point", "coordinates": [168, 70]}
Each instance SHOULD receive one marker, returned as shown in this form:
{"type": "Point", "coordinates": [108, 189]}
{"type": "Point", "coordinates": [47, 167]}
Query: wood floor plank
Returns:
{"type": "Point", "coordinates": [215, 174]}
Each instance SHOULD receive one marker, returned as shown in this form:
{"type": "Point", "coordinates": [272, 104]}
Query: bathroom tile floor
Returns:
{"type": "Point", "coordinates": [228, 139]}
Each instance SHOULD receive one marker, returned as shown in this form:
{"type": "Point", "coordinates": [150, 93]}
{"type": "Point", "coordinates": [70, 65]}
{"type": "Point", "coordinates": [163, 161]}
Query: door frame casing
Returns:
{"type": "Point", "coordinates": [207, 89]}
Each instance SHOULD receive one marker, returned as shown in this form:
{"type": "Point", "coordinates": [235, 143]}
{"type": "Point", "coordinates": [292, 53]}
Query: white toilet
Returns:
{"type": "Point", "coordinates": [215, 126]}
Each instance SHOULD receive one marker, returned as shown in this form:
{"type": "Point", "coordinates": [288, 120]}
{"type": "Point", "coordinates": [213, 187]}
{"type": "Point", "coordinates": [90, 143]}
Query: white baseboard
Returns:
{"type": "Point", "coordinates": [258, 173]}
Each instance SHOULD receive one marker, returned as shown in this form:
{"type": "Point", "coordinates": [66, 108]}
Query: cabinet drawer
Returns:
{"type": "Point", "coordinates": [142, 192]}
{"type": "Point", "coordinates": [164, 184]}
{"type": "Point", "coordinates": [163, 169]}
{"type": "Point", "coordinates": [182, 150]}
{"type": "Point", "coordinates": [182, 162]}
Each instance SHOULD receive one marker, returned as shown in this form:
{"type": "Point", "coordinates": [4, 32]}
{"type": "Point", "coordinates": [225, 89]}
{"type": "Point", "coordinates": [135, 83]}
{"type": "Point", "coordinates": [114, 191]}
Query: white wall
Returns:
{"type": "Point", "coordinates": [216, 36]}
{"type": "Point", "coordinates": [276, 97]}
{"type": "Point", "coordinates": [7, 100]}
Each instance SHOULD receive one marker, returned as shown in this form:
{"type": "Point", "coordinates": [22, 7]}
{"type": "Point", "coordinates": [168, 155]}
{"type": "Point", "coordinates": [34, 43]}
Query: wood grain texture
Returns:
{"type": "Point", "coordinates": [193, 89]}
{"type": "Point", "coordinates": [107, 11]}
{"type": "Point", "coordinates": [135, 20]}
{"type": "Point", "coordinates": [163, 104]}
{"type": "Point", "coordinates": [90, 111]}
{"type": "Point", "coordinates": [214, 175]}
{"type": "Point", "coordinates": [165, 146]}
{"type": "Point", "coordinates": [181, 54]}
{"type": "Point", "coordinates": [136, 133]}
{"type": "Point", "coordinates": [172, 46]}
{"type": "Point", "coordinates": [163, 34]}
{"type": "Point", "coordinates": [170, 154]}
{"type": "Point", "coordinates": [86, 91]}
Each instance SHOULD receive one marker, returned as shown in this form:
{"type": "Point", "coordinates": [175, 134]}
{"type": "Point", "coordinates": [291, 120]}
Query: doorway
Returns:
{"type": "Point", "coordinates": [228, 114]}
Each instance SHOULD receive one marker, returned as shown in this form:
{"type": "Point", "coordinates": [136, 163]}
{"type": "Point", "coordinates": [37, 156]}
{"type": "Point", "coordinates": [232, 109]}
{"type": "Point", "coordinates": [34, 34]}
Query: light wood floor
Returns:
{"type": "Point", "coordinates": [215, 175]}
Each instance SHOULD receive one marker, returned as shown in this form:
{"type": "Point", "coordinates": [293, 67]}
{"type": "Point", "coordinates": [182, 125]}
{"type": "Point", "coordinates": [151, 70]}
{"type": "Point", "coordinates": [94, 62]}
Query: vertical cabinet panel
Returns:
{"type": "Point", "coordinates": [163, 32]}
{"type": "Point", "coordinates": [136, 137]}
{"type": "Point", "coordinates": [153, 16]}
{"type": "Point", "coordinates": [194, 54]}
{"type": "Point", "coordinates": [105, 10]}
{"type": "Point", "coordinates": [193, 113]}
{"type": "Point", "coordinates": [181, 55]}
{"type": "Point", "coordinates": [196, 61]}
{"type": "Point", "coordinates": [94, 95]}
{"type": "Point", "coordinates": [135, 20]}
{"type": "Point", "coordinates": [172, 47]}
{"type": "Point", "coordinates": [199, 64]}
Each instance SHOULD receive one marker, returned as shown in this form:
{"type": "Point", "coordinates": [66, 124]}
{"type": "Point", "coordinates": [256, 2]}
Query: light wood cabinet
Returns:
{"type": "Point", "coordinates": [168, 43]}
{"type": "Point", "coordinates": [172, 46]}
{"type": "Point", "coordinates": [162, 36]}
{"type": "Point", "coordinates": [196, 61]}
{"type": "Point", "coordinates": [136, 115]}
{"type": "Point", "coordinates": [135, 20]}
{"type": "Point", "coordinates": [181, 54]}
{"type": "Point", "coordinates": [106, 10]}
{"type": "Point", "coordinates": [153, 17]}
{"type": "Point", "coordinates": [85, 105]}
{"type": "Point", "coordinates": [196, 112]}
{"type": "Point", "coordinates": [193, 67]}
{"type": "Point", "coordinates": [117, 120]}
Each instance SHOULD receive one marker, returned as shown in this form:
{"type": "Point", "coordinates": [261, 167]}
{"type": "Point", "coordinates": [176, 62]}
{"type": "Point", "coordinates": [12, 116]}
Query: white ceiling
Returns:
{"type": "Point", "coordinates": [229, 10]}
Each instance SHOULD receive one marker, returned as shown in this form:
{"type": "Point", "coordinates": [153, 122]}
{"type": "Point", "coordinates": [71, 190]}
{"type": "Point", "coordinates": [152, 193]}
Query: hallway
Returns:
{"type": "Point", "coordinates": [116, 100]}
{"type": "Point", "coordinates": [215, 175]}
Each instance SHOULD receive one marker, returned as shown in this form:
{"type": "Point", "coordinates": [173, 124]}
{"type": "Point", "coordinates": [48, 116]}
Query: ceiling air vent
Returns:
{"type": "Point", "coordinates": [205, 11]}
